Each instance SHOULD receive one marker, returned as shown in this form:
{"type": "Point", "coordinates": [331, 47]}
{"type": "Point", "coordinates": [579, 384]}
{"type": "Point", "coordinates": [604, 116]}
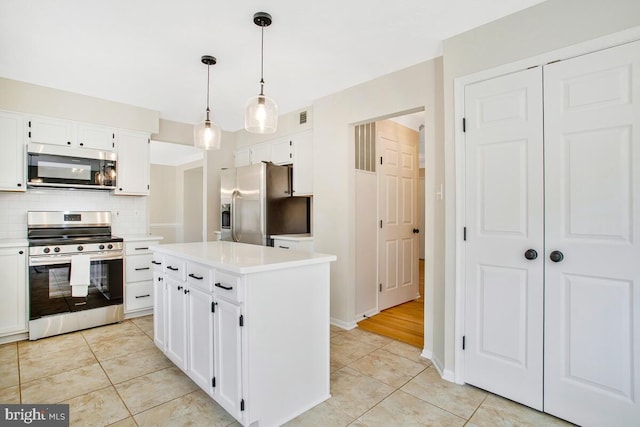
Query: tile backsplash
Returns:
{"type": "Point", "coordinates": [129, 213]}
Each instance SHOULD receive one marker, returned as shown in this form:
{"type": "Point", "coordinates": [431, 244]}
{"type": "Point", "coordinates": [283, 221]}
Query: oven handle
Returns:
{"type": "Point", "coordinates": [66, 259]}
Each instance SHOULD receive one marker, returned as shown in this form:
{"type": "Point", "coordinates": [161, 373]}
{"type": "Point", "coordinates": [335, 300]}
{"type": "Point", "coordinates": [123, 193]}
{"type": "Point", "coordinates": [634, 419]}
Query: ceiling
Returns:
{"type": "Point", "coordinates": [147, 52]}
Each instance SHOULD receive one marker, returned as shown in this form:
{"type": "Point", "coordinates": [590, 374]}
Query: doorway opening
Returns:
{"type": "Point", "coordinates": [177, 211]}
{"type": "Point", "coordinates": [389, 198]}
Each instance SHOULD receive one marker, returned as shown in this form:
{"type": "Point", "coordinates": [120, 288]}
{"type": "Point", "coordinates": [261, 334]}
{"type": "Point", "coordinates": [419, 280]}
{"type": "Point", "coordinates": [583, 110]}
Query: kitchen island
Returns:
{"type": "Point", "coordinates": [249, 324]}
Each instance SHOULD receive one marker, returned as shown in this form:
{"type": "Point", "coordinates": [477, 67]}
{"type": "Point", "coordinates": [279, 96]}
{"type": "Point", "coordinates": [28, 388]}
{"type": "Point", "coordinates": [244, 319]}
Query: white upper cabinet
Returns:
{"type": "Point", "coordinates": [12, 160]}
{"type": "Point", "coordinates": [96, 137]}
{"type": "Point", "coordinates": [133, 164]}
{"type": "Point", "coordinates": [281, 152]}
{"type": "Point", "coordinates": [303, 164]}
{"type": "Point", "coordinates": [49, 130]}
{"type": "Point", "coordinates": [242, 157]}
{"type": "Point", "coordinates": [260, 153]}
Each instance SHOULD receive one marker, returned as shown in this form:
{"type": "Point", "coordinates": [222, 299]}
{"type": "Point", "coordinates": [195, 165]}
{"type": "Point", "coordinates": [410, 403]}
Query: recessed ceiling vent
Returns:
{"type": "Point", "coordinates": [303, 117]}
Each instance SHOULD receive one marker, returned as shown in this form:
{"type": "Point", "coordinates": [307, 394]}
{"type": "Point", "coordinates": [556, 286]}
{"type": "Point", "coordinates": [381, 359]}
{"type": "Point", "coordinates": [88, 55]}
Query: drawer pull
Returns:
{"type": "Point", "coordinates": [226, 288]}
{"type": "Point", "coordinates": [156, 262]}
{"type": "Point", "coordinates": [143, 296]}
{"type": "Point", "coordinates": [142, 249]}
{"type": "Point", "coordinates": [142, 268]}
{"type": "Point", "coordinates": [172, 268]}
{"type": "Point", "coordinates": [193, 276]}
{"type": "Point", "coordinates": [284, 247]}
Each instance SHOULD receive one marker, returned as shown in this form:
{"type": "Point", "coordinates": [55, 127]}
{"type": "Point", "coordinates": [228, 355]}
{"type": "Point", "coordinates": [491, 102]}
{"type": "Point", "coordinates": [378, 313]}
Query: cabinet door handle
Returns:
{"type": "Point", "coordinates": [226, 288]}
{"type": "Point", "coordinates": [284, 247]}
{"type": "Point", "coordinates": [172, 268]}
{"type": "Point", "coordinates": [186, 291]}
{"type": "Point", "coordinates": [21, 252]}
{"type": "Point", "coordinates": [195, 277]}
{"type": "Point", "coordinates": [143, 268]}
{"type": "Point", "coordinates": [143, 296]}
{"type": "Point", "coordinates": [179, 288]}
{"type": "Point", "coordinates": [156, 263]}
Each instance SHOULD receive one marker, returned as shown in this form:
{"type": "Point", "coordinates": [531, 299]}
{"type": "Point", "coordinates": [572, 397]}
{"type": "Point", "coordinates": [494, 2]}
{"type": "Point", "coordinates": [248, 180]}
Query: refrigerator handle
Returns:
{"type": "Point", "coordinates": [234, 195]}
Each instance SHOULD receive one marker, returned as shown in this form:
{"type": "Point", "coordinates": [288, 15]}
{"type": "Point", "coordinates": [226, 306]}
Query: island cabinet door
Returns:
{"type": "Point", "coordinates": [201, 323]}
{"type": "Point", "coordinates": [176, 323]}
{"type": "Point", "coordinates": [228, 357]}
{"type": "Point", "coordinates": [159, 311]}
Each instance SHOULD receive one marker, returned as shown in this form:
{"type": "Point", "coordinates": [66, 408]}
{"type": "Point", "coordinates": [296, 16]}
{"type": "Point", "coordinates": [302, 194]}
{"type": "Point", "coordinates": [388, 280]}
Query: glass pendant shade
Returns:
{"type": "Point", "coordinates": [207, 135]}
{"type": "Point", "coordinates": [261, 115]}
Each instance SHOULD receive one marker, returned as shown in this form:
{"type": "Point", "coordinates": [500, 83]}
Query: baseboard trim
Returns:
{"type": "Point", "coordinates": [427, 354]}
{"type": "Point", "coordinates": [445, 374]}
{"type": "Point", "coordinates": [342, 324]}
{"type": "Point", "coordinates": [366, 314]}
{"type": "Point", "coordinates": [15, 337]}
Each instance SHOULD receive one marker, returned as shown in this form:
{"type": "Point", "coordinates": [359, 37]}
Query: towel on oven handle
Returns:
{"type": "Point", "coordinates": [80, 272]}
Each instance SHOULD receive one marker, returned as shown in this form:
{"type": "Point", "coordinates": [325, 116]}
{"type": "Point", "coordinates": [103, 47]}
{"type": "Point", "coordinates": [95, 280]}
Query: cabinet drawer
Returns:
{"type": "Point", "coordinates": [156, 263]}
{"type": "Point", "coordinates": [228, 286]}
{"type": "Point", "coordinates": [139, 248]}
{"type": "Point", "coordinates": [138, 268]}
{"type": "Point", "coordinates": [139, 296]}
{"type": "Point", "coordinates": [199, 276]}
{"type": "Point", "coordinates": [176, 268]}
{"type": "Point", "coordinates": [285, 244]}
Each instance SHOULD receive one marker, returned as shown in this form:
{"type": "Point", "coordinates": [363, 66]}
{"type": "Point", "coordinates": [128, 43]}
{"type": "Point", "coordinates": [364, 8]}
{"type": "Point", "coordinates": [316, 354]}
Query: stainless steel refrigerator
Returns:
{"type": "Point", "coordinates": [256, 203]}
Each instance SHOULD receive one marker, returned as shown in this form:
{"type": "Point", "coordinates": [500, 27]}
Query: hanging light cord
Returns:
{"type": "Point", "coordinates": [208, 74]}
{"type": "Point", "coordinates": [262, 62]}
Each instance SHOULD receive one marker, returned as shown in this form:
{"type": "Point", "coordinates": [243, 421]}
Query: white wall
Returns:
{"type": "Point", "coordinates": [288, 124]}
{"type": "Point", "coordinates": [163, 215]}
{"type": "Point", "coordinates": [366, 292]}
{"type": "Point", "coordinates": [542, 28]}
{"type": "Point", "coordinates": [404, 91]}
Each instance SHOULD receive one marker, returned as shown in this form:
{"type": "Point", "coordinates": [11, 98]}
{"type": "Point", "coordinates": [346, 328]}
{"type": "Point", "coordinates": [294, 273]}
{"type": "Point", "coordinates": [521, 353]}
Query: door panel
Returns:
{"type": "Point", "coordinates": [504, 212]}
{"type": "Point", "coordinates": [398, 245]}
{"type": "Point", "coordinates": [592, 297]}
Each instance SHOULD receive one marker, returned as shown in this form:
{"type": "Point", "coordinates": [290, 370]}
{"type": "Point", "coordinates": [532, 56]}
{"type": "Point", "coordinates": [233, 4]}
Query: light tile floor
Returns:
{"type": "Point", "coordinates": [114, 375]}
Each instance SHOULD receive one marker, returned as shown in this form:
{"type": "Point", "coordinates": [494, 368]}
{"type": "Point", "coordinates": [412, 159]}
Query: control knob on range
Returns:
{"type": "Point", "coordinates": [46, 250]}
{"type": "Point", "coordinates": [80, 248]}
{"type": "Point", "coordinates": [109, 246]}
{"type": "Point", "coordinates": [101, 247]}
{"type": "Point", "coordinates": [56, 249]}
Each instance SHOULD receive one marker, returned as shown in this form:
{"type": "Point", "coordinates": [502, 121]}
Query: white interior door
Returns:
{"type": "Point", "coordinates": [504, 219]}
{"type": "Point", "coordinates": [398, 244]}
{"type": "Point", "coordinates": [592, 175]}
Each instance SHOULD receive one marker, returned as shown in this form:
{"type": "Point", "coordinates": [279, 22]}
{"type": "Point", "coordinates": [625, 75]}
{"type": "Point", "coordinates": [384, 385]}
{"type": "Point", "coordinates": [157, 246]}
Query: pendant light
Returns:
{"type": "Point", "coordinates": [207, 134]}
{"type": "Point", "coordinates": [261, 112]}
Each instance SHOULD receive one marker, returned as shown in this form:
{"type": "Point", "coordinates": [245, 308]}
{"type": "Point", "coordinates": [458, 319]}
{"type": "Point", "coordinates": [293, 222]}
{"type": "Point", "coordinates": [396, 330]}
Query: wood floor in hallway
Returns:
{"type": "Point", "coordinates": [404, 322]}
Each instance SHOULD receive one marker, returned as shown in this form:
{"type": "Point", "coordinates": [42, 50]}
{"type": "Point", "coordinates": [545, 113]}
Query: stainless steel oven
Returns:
{"type": "Point", "coordinates": [55, 238]}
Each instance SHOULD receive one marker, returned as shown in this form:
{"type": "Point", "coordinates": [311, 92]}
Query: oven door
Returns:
{"type": "Point", "coordinates": [50, 291]}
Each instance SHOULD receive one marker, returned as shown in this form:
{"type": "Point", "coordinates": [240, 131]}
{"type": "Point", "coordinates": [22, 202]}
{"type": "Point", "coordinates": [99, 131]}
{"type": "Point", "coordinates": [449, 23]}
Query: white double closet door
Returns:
{"type": "Point", "coordinates": [552, 256]}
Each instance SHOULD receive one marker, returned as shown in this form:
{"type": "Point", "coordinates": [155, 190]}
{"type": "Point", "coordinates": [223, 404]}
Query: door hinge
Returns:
{"type": "Point", "coordinates": [29, 134]}
{"type": "Point", "coordinates": [463, 341]}
{"type": "Point", "coordinates": [242, 405]}
{"type": "Point", "coordinates": [380, 288]}
{"type": "Point", "coordinates": [241, 320]}
{"type": "Point", "coordinates": [213, 307]}
{"type": "Point", "coordinates": [213, 382]}
{"type": "Point", "coordinates": [290, 143]}
{"type": "Point", "coordinates": [464, 124]}
{"type": "Point", "coordinates": [464, 234]}
{"type": "Point", "coordinates": [148, 187]}
{"type": "Point", "coordinates": [380, 159]}
{"type": "Point", "coordinates": [113, 145]}
{"type": "Point", "coordinates": [29, 123]}
{"type": "Point", "coordinates": [113, 136]}
{"type": "Point", "coordinates": [380, 223]}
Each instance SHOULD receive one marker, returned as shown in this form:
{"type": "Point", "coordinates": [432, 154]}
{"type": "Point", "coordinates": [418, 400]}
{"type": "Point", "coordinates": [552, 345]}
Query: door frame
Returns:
{"type": "Point", "coordinates": [590, 46]}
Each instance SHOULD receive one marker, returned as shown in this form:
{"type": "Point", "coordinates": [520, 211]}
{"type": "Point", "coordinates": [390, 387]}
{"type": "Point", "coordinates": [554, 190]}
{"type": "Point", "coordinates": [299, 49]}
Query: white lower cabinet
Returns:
{"type": "Point", "coordinates": [138, 276]}
{"type": "Point", "coordinates": [159, 311]}
{"type": "Point", "coordinates": [200, 328]}
{"type": "Point", "coordinates": [228, 345]}
{"type": "Point", "coordinates": [13, 301]}
{"type": "Point", "coordinates": [176, 323]}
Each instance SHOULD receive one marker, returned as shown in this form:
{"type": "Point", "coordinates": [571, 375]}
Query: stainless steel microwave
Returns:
{"type": "Point", "coordinates": [69, 167]}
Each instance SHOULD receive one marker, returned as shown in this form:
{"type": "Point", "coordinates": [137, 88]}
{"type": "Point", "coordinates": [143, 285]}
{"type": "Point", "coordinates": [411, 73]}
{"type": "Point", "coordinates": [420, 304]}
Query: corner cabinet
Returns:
{"type": "Point", "coordinates": [12, 160]}
{"type": "Point", "coordinates": [133, 164]}
{"type": "Point", "coordinates": [13, 292]}
{"type": "Point", "coordinates": [240, 335]}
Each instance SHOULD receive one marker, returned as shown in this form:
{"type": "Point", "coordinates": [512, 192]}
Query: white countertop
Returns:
{"type": "Point", "coordinates": [242, 258]}
{"type": "Point", "coordinates": [139, 237]}
{"type": "Point", "coordinates": [13, 243]}
{"type": "Point", "coordinates": [293, 237]}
